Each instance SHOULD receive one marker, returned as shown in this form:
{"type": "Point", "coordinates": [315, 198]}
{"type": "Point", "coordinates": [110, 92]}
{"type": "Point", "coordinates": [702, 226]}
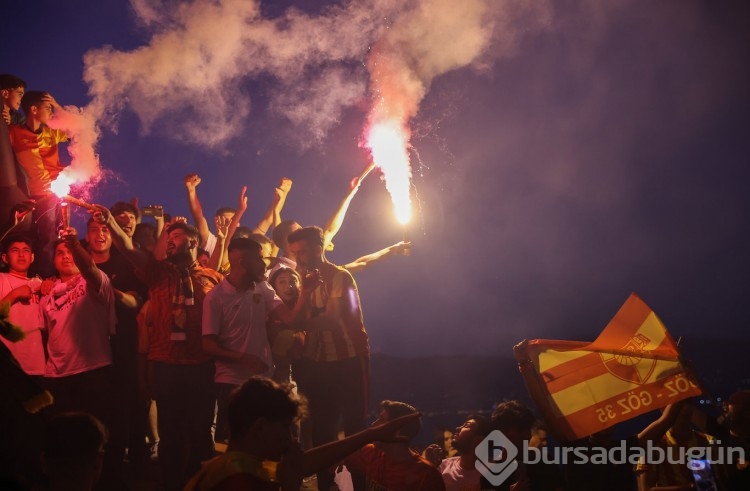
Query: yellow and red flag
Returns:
{"type": "Point", "coordinates": [632, 368]}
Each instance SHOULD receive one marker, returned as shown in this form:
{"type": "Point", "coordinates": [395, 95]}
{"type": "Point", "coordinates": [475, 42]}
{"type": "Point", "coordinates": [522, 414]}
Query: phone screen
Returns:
{"type": "Point", "coordinates": [703, 475]}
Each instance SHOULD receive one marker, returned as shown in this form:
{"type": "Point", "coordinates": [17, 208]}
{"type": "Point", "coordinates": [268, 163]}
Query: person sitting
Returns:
{"type": "Point", "coordinates": [393, 465]}
{"type": "Point", "coordinates": [262, 455]}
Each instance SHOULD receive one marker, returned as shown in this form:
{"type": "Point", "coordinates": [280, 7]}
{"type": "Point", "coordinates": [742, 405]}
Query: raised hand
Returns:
{"type": "Point", "coordinates": [191, 181]}
{"type": "Point", "coordinates": [222, 226]}
{"type": "Point", "coordinates": [242, 201]}
{"type": "Point", "coordinates": [434, 454]}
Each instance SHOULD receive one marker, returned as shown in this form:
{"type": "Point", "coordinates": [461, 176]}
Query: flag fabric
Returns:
{"type": "Point", "coordinates": [632, 368]}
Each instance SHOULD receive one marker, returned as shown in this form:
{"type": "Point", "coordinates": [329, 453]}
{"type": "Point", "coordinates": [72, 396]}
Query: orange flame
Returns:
{"type": "Point", "coordinates": [388, 141]}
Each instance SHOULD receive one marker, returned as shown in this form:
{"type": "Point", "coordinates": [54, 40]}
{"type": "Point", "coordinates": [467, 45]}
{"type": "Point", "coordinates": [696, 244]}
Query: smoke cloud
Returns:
{"type": "Point", "coordinates": [193, 73]}
{"type": "Point", "coordinates": [81, 128]}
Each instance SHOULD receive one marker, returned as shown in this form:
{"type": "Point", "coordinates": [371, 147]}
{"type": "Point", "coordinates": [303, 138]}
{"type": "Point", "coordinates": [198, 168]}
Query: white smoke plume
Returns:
{"type": "Point", "coordinates": [81, 128]}
{"type": "Point", "coordinates": [193, 72]}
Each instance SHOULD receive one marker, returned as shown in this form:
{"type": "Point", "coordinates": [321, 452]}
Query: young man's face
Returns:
{"type": "Point", "coordinates": [63, 261]}
{"type": "Point", "coordinates": [126, 221]}
{"type": "Point", "coordinates": [305, 255]}
{"type": "Point", "coordinates": [43, 112]}
{"type": "Point", "coordinates": [463, 437]}
{"type": "Point", "coordinates": [99, 237]}
{"type": "Point", "coordinates": [250, 263]}
{"type": "Point", "coordinates": [178, 242]}
{"type": "Point", "coordinates": [12, 97]}
{"type": "Point", "coordinates": [19, 257]}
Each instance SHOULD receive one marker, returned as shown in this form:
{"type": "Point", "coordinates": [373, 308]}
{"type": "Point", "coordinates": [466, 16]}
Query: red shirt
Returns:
{"type": "Point", "coordinates": [162, 278]}
{"type": "Point", "coordinates": [384, 474]}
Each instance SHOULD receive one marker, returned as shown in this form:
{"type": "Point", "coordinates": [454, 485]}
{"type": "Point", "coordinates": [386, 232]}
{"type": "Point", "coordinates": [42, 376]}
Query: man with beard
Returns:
{"type": "Point", "coordinates": [333, 373]}
{"type": "Point", "coordinates": [182, 372]}
{"type": "Point", "coordinates": [234, 324]}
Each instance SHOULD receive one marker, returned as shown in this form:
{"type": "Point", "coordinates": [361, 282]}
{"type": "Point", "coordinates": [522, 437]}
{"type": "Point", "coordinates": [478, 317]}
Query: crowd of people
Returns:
{"type": "Point", "coordinates": [243, 355]}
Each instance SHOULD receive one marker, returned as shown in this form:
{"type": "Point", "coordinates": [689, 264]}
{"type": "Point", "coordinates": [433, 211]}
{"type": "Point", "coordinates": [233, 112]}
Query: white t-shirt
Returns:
{"type": "Point", "coordinates": [79, 321]}
{"type": "Point", "coordinates": [211, 241]}
{"type": "Point", "coordinates": [456, 478]}
{"type": "Point", "coordinates": [29, 352]}
{"type": "Point", "coordinates": [238, 319]}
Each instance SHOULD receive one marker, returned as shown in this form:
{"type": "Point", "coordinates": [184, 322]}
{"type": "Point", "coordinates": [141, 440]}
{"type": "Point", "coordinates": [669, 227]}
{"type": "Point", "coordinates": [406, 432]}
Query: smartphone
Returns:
{"type": "Point", "coordinates": [703, 476]}
{"type": "Point", "coordinates": [153, 211]}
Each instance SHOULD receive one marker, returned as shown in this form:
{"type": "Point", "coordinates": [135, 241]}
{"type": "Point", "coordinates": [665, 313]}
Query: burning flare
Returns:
{"type": "Point", "coordinates": [61, 185]}
{"type": "Point", "coordinates": [388, 141]}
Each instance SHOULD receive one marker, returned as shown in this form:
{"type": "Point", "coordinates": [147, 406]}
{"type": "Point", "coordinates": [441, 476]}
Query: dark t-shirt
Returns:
{"type": "Point", "coordinates": [123, 278]}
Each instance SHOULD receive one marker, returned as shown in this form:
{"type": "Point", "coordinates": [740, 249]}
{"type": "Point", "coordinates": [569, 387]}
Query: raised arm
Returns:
{"type": "Point", "coordinates": [233, 224]}
{"type": "Point", "coordinates": [138, 258]}
{"type": "Point", "coordinates": [656, 429]}
{"type": "Point", "coordinates": [397, 249]}
{"type": "Point", "coordinates": [337, 219]}
{"type": "Point", "coordinates": [273, 215]}
{"type": "Point", "coordinates": [191, 183]}
{"type": "Point", "coordinates": [324, 456]}
{"type": "Point", "coordinates": [217, 256]}
{"type": "Point", "coordinates": [82, 259]}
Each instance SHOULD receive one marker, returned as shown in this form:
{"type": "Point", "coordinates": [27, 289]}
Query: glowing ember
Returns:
{"type": "Point", "coordinates": [388, 142]}
{"type": "Point", "coordinates": [61, 185]}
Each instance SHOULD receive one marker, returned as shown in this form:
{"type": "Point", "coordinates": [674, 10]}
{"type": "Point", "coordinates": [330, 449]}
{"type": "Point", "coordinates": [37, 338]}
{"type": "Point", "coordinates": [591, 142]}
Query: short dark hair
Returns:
{"type": "Point", "coordinates": [281, 232]}
{"type": "Point", "coordinates": [225, 209]}
{"type": "Point", "coordinates": [122, 207]}
{"type": "Point", "coordinates": [72, 443]}
{"type": "Point", "coordinates": [396, 409]}
{"type": "Point", "coordinates": [483, 426]}
{"type": "Point", "coordinates": [261, 239]}
{"type": "Point", "coordinates": [144, 228]}
{"type": "Point", "coordinates": [15, 238]}
{"type": "Point", "coordinates": [9, 81]}
{"type": "Point", "coordinates": [189, 230]}
{"type": "Point", "coordinates": [260, 397]}
{"type": "Point", "coordinates": [243, 232]}
{"type": "Point", "coordinates": [243, 244]}
{"type": "Point", "coordinates": [57, 243]}
{"type": "Point", "coordinates": [312, 235]}
{"type": "Point", "coordinates": [512, 414]}
{"type": "Point", "coordinates": [32, 98]}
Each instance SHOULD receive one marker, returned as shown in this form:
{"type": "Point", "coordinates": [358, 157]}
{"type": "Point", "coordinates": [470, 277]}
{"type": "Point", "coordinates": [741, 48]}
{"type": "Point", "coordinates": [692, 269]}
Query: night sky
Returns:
{"type": "Point", "coordinates": [585, 151]}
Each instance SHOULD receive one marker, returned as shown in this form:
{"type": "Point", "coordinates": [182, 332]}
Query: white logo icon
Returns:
{"type": "Point", "coordinates": [497, 458]}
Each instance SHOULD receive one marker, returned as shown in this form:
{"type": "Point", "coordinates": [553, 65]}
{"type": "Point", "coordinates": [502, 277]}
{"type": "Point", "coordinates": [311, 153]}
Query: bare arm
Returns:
{"type": "Point", "coordinates": [138, 258]}
{"type": "Point", "coordinates": [656, 430]}
{"type": "Point", "coordinates": [82, 259]}
{"type": "Point", "coordinates": [337, 219]}
{"type": "Point", "coordinates": [217, 256]}
{"type": "Point", "coordinates": [273, 214]}
{"type": "Point", "coordinates": [129, 300]}
{"type": "Point", "coordinates": [191, 183]}
{"type": "Point", "coordinates": [160, 249]}
{"type": "Point", "coordinates": [398, 249]}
